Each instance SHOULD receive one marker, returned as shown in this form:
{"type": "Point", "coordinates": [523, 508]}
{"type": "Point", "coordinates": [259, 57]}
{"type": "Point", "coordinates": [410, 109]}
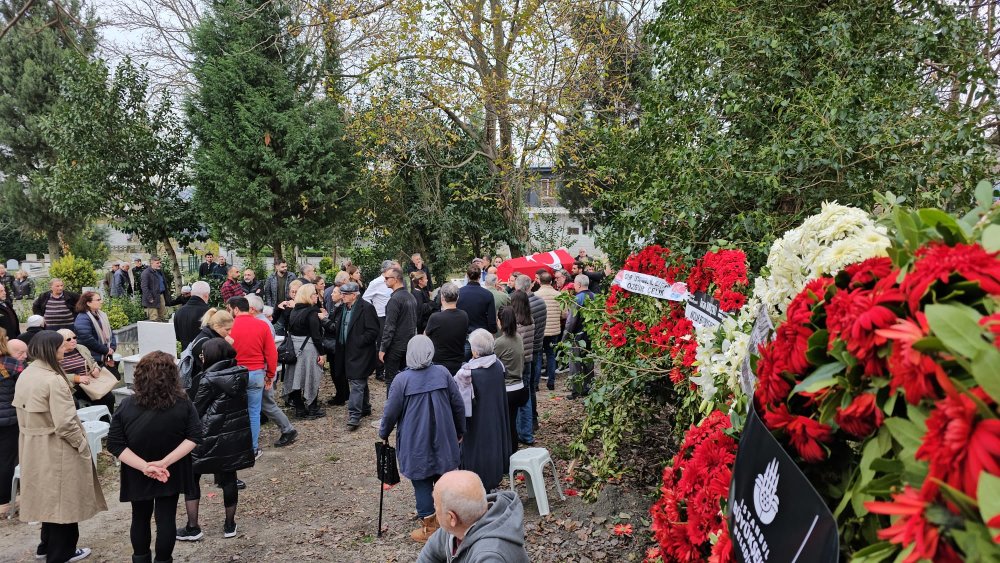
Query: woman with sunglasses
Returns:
{"type": "Point", "coordinates": [80, 368]}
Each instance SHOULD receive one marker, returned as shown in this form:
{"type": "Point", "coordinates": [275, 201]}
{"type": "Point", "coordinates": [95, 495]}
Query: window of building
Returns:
{"type": "Point", "coordinates": [572, 230]}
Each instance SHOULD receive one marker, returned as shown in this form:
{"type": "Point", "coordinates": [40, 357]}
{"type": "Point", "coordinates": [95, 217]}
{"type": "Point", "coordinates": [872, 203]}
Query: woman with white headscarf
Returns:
{"type": "Point", "coordinates": [425, 404]}
{"type": "Point", "coordinates": [486, 449]}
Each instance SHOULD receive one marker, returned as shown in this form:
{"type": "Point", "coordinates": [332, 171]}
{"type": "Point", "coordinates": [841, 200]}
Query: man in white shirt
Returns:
{"type": "Point", "coordinates": [378, 295]}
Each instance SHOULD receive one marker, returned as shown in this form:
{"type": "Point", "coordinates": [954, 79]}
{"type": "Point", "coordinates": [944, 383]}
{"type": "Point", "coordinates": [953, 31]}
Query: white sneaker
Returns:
{"type": "Point", "coordinates": [82, 553]}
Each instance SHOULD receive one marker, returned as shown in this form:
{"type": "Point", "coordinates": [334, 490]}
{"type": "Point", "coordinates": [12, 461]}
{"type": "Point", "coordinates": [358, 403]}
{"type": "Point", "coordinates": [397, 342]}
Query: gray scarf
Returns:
{"type": "Point", "coordinates": [101, 326]}
{"type": "Point", "coordinates": [419, 352]}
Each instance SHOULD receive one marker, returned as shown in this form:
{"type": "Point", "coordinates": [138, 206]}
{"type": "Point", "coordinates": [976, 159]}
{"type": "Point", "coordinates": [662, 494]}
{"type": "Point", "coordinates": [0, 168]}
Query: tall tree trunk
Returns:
{"type": "Point", "coordinates": [55, 250]}
{"type": "Point", "coordinates": [276, 250]}
{"type": "Point", "coordinates": [176, 266]}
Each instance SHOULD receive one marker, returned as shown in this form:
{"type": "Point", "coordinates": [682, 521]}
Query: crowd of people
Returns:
{"type": "Point", "coordinates": [461, 364]}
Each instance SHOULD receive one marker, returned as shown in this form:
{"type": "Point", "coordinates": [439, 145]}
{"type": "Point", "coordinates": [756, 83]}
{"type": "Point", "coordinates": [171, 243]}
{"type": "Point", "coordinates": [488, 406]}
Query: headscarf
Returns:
{"type": "Point", "coordinates": [419, 352]}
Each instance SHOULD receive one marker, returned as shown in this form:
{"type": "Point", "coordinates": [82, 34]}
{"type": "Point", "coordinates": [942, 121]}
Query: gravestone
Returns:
{"type": "Point", "coordinates": [153, 337]}
{"type": "Point", "coordinates": [12, 265]}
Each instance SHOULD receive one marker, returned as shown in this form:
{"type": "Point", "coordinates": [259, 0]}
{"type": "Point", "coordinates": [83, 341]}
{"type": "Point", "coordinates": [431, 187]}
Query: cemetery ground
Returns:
{"type": "Point", "coordinates": [317, 500]}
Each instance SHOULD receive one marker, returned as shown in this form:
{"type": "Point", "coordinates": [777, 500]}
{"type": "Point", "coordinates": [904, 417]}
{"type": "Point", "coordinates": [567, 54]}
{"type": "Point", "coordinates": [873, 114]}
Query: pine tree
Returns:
{"type": "Point", "coordinates": [31, 55]}
{"type": "Point", "coordinates": [271, 163]}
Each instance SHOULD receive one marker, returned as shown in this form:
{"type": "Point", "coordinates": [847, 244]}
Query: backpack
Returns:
{"type": "Point", "coordinates": [188, 362]}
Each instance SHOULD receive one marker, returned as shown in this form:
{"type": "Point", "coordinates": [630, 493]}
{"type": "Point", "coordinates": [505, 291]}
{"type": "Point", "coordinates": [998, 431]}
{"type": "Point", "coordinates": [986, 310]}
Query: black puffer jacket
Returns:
{"type": "Point", "coordinates": [221, 401]}
{"type": "Point", "coordinates": [12, 369]}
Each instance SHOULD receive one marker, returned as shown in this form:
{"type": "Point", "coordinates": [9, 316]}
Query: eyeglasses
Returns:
{"type": "Point", "coordinates": [71, 339]}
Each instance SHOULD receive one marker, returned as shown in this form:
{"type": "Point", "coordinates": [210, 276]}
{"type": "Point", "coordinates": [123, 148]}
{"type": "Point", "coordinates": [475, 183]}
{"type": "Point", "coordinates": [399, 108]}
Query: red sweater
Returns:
{"type": "Point", "coordinates": [254, 344]}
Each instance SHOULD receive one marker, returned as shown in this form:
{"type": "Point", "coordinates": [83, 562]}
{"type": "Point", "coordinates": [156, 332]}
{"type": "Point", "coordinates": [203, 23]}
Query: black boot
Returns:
{"type": "Point", "coordinates": [167, 560]}
{"type": "Point", "coordinates": [148, 558]}
{"type": "Point", "coordinates": [300, 406]}
{"type": "Point", "coordinates": [315, 411]}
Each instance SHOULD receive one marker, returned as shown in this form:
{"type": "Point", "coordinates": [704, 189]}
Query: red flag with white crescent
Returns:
{"type": "Point", "coordinates": [528, 265]}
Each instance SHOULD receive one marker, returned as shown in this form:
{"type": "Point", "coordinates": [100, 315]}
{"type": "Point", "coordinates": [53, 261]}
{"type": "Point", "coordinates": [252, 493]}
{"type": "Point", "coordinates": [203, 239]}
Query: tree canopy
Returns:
{"type": "Point", "coordinates": [271, 163]}
{"type": "Point", "coordinates": [755, 113]}
{"type": "Point", "coordinates": [31, 55]}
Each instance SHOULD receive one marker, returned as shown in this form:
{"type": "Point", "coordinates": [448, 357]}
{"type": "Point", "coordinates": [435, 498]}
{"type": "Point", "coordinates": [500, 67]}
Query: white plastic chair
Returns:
{"type": "Point", "coordinates": [94, 412]}
{"type": "Point", "coordinates": [13, 491]}
{"type": "Point", "coordinates": [532, 461]}
{"type": "Point", "coordinates": [96, 430]}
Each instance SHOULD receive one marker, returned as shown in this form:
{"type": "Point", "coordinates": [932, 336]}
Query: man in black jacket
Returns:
{"type": "Point", "coordinates": [187, 319]}
{"type": "Point", "coordinates": [478, 303]}
{"type": "Point", "coordinates": [206, 267]}
{"type": "Point", "coordinates": [400, 324]}
{"type": "Point", "coordinates": [56, 305]}
{"type": "Point", "coordinates": [355, 327]}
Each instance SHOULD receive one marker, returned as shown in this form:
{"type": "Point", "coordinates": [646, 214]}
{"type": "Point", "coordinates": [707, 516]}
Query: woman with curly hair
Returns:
{"type": "Point", "coordinates": [153, 433]}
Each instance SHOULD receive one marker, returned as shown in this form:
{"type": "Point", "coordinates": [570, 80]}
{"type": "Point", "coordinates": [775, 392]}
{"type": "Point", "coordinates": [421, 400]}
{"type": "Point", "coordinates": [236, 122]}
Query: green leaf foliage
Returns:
{"type": "Point", "coordinates": [271, 164]}
{"type": "Point", "coordinates": [31, 55]}
{"type": "Point", "coordinates": [756, 112]}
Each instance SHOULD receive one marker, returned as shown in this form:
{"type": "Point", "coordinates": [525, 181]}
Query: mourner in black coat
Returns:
{"type": "Point", "coordinates": [355, 354]}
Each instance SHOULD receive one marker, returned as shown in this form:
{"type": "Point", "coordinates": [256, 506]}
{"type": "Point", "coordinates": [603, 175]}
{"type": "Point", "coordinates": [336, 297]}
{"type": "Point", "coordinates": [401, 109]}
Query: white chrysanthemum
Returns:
{"type": "Point", "coordinates": [824, 243]}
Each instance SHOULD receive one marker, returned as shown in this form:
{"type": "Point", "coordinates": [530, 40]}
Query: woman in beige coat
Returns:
{"type": "Point", "coordinates": [59, 485]}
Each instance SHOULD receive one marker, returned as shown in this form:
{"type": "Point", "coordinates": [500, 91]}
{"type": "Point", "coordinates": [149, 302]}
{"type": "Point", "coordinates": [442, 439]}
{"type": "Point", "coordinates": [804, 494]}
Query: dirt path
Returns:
{"type": "Point", "coordinates": [317, 500]}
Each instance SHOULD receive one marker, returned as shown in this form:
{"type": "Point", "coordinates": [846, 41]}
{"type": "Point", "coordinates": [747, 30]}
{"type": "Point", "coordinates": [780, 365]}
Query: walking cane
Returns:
{"type": "Point", "coordinates": [381, 496]}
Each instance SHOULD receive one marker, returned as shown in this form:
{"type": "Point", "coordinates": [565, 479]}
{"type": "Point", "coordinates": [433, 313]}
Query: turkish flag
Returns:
{"type": "Point", "coordinates": [528, 265]}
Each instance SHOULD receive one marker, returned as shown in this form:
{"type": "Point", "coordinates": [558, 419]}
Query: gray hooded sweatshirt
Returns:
{"type": "Point", "coordinates": [497, 537]}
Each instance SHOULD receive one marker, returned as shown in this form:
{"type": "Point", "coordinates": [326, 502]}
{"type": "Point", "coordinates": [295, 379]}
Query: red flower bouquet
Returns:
{"type": "Point", "coordinates": [921, 327]}
{"type": "Point", "coordinates": [688, 519]}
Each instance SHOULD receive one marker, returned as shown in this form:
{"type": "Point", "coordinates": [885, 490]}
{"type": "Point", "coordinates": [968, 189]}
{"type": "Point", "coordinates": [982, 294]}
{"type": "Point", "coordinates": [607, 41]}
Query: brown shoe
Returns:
{"type": "Point", "coordinates": [426, 530]}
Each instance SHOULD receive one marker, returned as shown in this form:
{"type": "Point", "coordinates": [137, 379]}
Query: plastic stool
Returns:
{"type": "Point", "coordinates": [95, 431]}
{"type": "Point", "coordinates": [13, 490]}
{"type": "Point", "coordinates": [532, 461]}
{"type": "Point", "coordinates": [95, 412]}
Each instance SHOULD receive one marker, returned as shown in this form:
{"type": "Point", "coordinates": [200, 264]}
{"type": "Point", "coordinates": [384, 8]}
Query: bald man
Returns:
{"type": "Point", "coordinates": [475, 527]}
{"type": "Point", "coordinates": [18, 350]}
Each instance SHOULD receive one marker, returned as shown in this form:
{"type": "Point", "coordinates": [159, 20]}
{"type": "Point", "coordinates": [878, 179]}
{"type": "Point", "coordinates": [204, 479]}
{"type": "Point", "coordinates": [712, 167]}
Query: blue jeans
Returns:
{"type": "Point", "coordinates": [423, 489]}
{"type": "Point", "coordinates": [548, 349]}
{"type": "Point", "coordinates": [255, 395]}
{"type": "Point", "coordinates": [525, 419]}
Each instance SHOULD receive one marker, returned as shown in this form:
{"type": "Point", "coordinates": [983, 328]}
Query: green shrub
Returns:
{"type": "Point", "coordinates": [116, 315]}
{"type": "Point", "coordinates": [76, 273]}
{"type": "Point", "coordinates": [130, 307]}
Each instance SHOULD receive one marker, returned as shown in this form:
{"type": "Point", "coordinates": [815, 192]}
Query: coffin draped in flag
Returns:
{"type": "Point", "coordinates": [552, 260]}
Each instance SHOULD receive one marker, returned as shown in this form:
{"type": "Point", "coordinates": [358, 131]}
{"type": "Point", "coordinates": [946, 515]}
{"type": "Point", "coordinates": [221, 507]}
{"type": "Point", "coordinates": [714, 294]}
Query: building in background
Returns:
{"type": "Point", "coordinates": [550, 224]}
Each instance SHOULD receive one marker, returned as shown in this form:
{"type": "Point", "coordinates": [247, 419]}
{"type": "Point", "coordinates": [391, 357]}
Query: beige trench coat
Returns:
{"type": "Point", "coordinates": [58, 478]}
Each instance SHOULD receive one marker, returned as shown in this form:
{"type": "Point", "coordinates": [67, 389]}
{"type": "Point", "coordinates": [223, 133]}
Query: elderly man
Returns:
{"type": "Point", "coordinates": [154, 290]}
{"type": "Point", "coordinates": [309, 274]}
{"type": "Point", "coordinates": [269, 405]}
{"type": "Point", "coordinates": [356, 329]}
{"type": "Point", "coordinates": [582, 369]}
{"type": "Point", "coordinates": [107, 284]}
{"type": "Point", "coordinates": [119, 281]}
{"type": "Point", "coordinates": [251, 285]}
{"type": "Point", "coordinates": [187, 319]}
{"type": "Point", "coordinates": [474, 526]}
{"type": "Point", "coordinates": [500, 297]}
{"type": "Point", "coordinates": [56, 305]}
